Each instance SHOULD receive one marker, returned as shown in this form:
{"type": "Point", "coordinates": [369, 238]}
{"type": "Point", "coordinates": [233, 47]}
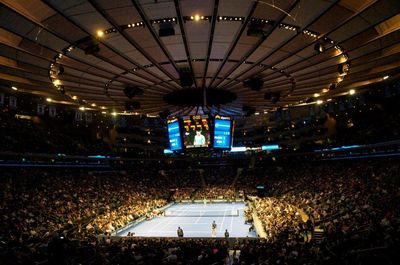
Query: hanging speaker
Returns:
{"type": "Point", "coordinates": [132, 91]}
{"type": "Point", "coordinates": [248, 110]}
{"type": "Point", "coordinates": [256, 29]}
{"type": "Point", "coordinates": [164, 114]}
{"type": "Point", "coordinates": [132, 105]}
{"type": "Point", "coordinates": [254, 83]}
{"type": "Point", "coordinates": [166, 29]}
{"type": "Point", "coordinates": [185, 77]}
{"type": "Point", "coordinates": [275, 97]}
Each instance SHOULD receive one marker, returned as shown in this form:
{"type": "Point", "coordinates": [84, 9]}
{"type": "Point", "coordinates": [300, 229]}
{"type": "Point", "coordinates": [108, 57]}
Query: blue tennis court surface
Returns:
{"type": "Point", "coordinates": [196, 226]}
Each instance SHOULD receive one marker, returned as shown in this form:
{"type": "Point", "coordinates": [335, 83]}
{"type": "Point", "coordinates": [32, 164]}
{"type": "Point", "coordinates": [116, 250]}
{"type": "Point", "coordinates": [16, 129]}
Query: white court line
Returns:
{"type": "Point", "coordinates": [223, 220]}
{"type": "Point", "coordinates": [194, 224]}
{"type": "Point", "coordinates": [230, 229]}
{"type": "Point", "coordinates": [189, 231]}
{"type": "Point", "coordinates": [159, 223]}
{"type": "Point", "coordinates": [197, 220]}
{"type": "Point", "coordinates": [177, 222]}
{"type": "Point", "coordinates": [169, 222]}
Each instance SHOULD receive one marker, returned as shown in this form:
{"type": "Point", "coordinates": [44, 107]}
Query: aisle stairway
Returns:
{"type": "Point", "coordinates": [318, 234]}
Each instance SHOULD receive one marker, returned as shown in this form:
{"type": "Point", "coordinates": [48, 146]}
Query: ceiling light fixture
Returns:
{"type": "Point", "coordinates": [316, 95]}
{"type": "Point", "coordinates": [100, 33]}
{"type": "Point", "coordinates": [385, 77]}
{"type": "Point", "coordinates": [49, 100]}
{"type": "Point", "coordinates": [14, 88]}
{"type": "Point", "coordinates": [352, 91]}
{"type": "Point", "coordinates": [318, 47]}
{"type": "Point", "coordinates": [56, 82]}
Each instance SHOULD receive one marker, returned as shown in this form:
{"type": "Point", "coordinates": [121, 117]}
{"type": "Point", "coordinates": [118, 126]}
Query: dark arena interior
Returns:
{"type": "Point", "coordinates": [225, 132]}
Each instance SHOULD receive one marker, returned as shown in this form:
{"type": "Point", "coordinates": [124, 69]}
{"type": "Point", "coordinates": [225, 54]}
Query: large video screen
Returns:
{"type": "Point", "coordinates": [222, 132]}
{"type": "Point", "coordinates": [174, 135]}
{"type": "Point", "coordinates": [196, 131]}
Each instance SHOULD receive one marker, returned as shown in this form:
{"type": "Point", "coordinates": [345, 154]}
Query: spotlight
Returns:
{"type": "Point", "coordinates": [316, 95]}
{"type": "Point", "coordinates": [352, 91]}
{"type": "Point", "coordinates": [100, 33]}
{"type": "Point", "coordinates": [309, 100]}
{"type": "Point", "coordinates": [49, 100]}
{"type": "Point", "coordinates": [74, 97]}
{"type": "Point", "coordinates": [57, 70]}
{"type": "Point", "coordinates": [197, 17]}
{"type": "Point", "coordinates": [93, 104]}
{"type": "Point", "coordinates": [319, 102]}
{"type": "Point", "coordinates": [14, 88]}
{"type": "Point", "coordinates": [343, 68]}
{"type": "Point", "coordinates": [318, 47]}
{"type": "Point", "coordinates": [57, 82]}
{"type": "Point", "coordinates": [61, 89]}
{"type": "Point", "coordinates": [332, 86]}
{"type": "Point", "coordinates": [114, 113]}
{"type": "Point", "coordinates": [82, 108]}
{"type": "Point", "coordinates": [385, 77]}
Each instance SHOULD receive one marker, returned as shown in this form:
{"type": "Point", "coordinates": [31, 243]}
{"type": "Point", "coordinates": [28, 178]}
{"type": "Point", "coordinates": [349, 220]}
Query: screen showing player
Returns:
{"type": "Point", "coordinates": [196, 131]}
{"type": "Point", "coordinates": [174, 134]}
{"type": "Point", "coordinates": [222, 132]}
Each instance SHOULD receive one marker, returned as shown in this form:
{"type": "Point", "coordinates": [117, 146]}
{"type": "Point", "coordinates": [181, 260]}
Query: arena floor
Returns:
{"type": "Point", "coordinates": [195, 226]}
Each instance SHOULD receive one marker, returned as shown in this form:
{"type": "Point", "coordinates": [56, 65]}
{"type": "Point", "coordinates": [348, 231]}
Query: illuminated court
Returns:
{"type": "Point", "coordinates": [195, 219]}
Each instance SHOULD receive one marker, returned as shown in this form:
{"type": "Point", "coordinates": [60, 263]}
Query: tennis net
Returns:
{"type": "Point", "coordinates": [209, 213]}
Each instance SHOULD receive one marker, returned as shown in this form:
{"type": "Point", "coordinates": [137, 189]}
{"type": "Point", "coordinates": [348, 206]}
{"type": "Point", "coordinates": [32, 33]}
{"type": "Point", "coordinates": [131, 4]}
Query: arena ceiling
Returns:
{"type": "Point", "coordinates": [265, 53]}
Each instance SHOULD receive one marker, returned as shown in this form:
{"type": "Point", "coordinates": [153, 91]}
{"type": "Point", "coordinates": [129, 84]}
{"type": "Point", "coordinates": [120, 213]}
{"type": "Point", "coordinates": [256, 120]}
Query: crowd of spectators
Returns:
{"type": "Point", "coordinates": [34, 205]}
{"type": "Point", "coordinates": [225, 192]}
{"type": "Point", "coordinates": [355, 204]}
{"type": "Point", "coordinates": [278, 216]}
{"type": "Point", "coordinates": [184, 194]}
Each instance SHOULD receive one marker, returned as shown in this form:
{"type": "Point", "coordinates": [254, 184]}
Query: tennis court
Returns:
{"type": "Point", "coordinates": [195, 219]}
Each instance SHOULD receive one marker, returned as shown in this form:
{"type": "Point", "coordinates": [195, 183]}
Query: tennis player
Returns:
{"type": "Point", "coordinates": [213, 229]}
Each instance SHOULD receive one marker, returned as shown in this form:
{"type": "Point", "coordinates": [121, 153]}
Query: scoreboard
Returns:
{"type": "Point", "coordinates": [222, 132]}
{"type": "Point", "coordinates": [174, 134]}
{"type": "Point", "coordinates": [196, 131]}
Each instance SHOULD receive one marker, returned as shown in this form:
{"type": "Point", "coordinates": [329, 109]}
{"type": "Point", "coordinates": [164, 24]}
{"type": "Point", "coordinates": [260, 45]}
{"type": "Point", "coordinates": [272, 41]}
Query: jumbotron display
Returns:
{"type": "Point", "coordinates": [196, 131]}
{"type": "Point", "coordinates": [222, 132]}
{"type": "Point", "coordinates": [174, 134]}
